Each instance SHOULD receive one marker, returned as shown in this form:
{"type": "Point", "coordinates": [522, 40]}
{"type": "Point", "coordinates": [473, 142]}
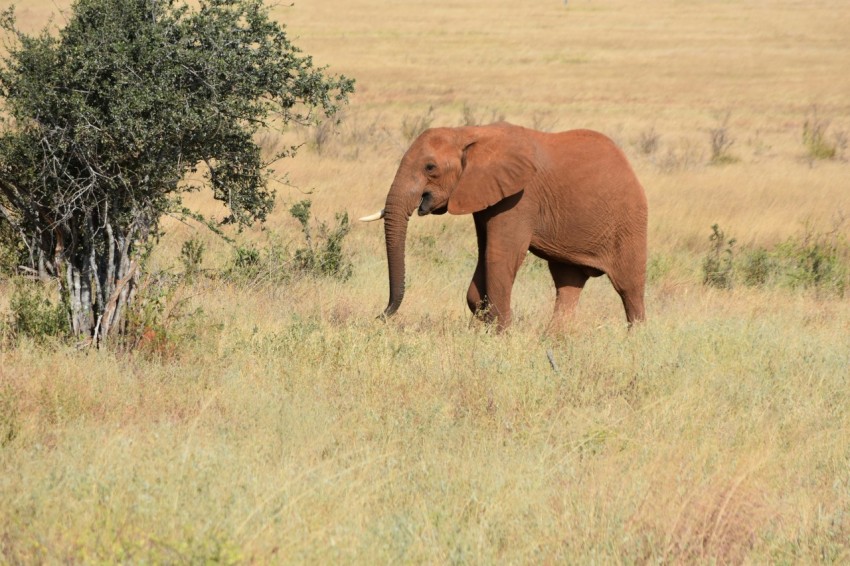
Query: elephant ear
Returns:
{"type": "Point", "coordinates": [498, 161]}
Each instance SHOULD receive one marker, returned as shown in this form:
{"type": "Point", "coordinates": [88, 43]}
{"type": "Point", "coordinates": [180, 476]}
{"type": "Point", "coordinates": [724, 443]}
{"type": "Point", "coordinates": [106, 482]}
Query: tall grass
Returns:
{"type": "Point", "coordinates": [300, 430]}
{"type": "Point", "coordinates": [284, 423]}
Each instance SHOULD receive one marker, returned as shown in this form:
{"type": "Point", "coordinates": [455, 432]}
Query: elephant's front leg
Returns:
{"type": "Point", "coordinates": [476, 296]}
{"type": "Point", "coordinates": [507, 245]}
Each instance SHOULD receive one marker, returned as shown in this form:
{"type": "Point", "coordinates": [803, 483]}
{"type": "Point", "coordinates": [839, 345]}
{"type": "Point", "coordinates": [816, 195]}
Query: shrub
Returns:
{"type": "Point", "coordinates": [717, 267]}
{"type": "Point", "coordinates": [33, 315]}
{"type": "Point", "coordinates": [160, 319]}
{"type": "Point", "coordinates": [191, 256]}
{"type": "Point", "coordinates": [323, 253]}
{"type": "Point", "coordinates": [245, 263]}
{"type": "Point", "coordinates": [13, 251]}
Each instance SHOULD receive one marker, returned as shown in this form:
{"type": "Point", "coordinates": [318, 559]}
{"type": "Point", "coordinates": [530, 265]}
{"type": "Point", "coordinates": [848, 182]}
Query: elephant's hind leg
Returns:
{"type": "Point", "coordinates": [569, 281]}
{"type": "Point", "coordinates": [632, 294]}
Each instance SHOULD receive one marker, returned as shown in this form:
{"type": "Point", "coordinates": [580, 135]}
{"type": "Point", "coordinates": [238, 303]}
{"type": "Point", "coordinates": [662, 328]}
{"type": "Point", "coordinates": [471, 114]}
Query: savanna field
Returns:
{"type": "Point", "coordinates": [264, 415]}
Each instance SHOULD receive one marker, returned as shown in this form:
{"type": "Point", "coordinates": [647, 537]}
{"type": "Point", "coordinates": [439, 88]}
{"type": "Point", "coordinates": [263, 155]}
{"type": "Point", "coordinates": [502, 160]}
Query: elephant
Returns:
{"type": "Point", "coordinates": [570, 198]}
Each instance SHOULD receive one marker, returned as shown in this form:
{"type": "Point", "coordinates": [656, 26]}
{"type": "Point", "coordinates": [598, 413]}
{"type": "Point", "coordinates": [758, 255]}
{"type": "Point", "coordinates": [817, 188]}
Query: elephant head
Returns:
{"type": "Point", "coordinates": [456, 170]}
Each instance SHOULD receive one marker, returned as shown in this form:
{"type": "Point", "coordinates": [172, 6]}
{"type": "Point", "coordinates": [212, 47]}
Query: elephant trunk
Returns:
{"type": "Point", "coordinates": [398, 211]}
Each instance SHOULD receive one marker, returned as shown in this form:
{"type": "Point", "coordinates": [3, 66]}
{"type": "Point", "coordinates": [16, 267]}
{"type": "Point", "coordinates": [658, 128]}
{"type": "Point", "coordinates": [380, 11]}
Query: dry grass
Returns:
{"type": "Point", "coordinates": [285, 424]}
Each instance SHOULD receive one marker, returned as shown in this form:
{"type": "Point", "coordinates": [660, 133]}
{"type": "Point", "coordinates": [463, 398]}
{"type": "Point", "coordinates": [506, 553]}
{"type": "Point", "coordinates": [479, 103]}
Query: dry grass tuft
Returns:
{"type": "Point", "coordinates": [719, 523]}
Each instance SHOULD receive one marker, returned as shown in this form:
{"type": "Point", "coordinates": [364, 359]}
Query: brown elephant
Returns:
{"type": "Point", "coordinates": [570, 198]}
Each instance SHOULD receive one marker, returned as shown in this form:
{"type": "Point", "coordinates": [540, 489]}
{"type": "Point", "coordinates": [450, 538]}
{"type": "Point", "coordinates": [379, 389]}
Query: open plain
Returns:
{"type": "Point", "coordinates": [276, 420]}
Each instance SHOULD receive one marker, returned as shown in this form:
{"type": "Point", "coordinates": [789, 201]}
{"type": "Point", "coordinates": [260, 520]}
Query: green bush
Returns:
{"type": "Point", "coordinates": [815, 260]}
{"type": "Point", "coordinates": [34, 315]}
{"type": "Point", "coordinates": [758, 267]}
{"type": "Point", "coordinates": [323, 254]}
{"type": "Point", "coordinates": [251, 265]}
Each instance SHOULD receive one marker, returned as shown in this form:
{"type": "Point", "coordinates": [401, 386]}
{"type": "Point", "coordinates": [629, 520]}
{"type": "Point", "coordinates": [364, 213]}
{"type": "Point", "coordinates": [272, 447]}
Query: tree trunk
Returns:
{"type": "Point", "coordinates": [98, 283]}
{"type": "Point", "coordinates": [77, 290]}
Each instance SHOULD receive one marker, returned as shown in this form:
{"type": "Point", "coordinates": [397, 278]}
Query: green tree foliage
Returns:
{"type": "Point", "coordinates": [107, 116]}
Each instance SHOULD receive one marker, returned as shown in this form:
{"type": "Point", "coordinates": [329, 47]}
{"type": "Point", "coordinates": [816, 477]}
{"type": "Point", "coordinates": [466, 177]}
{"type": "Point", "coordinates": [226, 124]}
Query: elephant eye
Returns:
{"type": "Point", "coordinates": [430, 168]}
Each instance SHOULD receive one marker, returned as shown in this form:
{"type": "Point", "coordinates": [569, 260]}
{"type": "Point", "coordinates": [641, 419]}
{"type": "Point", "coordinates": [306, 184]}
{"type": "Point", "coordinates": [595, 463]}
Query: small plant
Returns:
{"type": "Point", "coordinates": [413, 126]}
{"type": "Point", "coordinates": [33, 315]}
{"type": "Point", "coordinates": [721, 142]}
{"type": "Point", "coordinates": [818, 146]}
{"type": "Point", "coordinates": [191, 256]}
{"type": "Point", "coordinates": [470, 118]}
{"type": "Point", "coordinates": [426, 245]}
{"type": "Point", "coordinates": [648, 141]}
{"type": "Point", "coordinates": [321, 134]}
{"type": "Point", "coordinates": [759, 146]}
{"type": "Point", "coordinates": [322, 255]}
{"type": "Point", "coordinates": [717, 267]}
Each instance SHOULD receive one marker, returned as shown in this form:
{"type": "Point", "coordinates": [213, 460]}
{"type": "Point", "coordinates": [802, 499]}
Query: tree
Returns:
{"type": "Point", "coordinates": [104, 119]}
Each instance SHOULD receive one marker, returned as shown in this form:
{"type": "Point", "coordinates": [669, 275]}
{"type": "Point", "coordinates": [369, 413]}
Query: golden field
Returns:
{"type": "Point", "coordinates": [282, 423]}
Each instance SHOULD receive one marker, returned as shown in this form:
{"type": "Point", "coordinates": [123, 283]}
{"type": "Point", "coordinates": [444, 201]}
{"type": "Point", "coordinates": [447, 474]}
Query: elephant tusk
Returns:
{"type": "Point", "coordinates": [373, 217]}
